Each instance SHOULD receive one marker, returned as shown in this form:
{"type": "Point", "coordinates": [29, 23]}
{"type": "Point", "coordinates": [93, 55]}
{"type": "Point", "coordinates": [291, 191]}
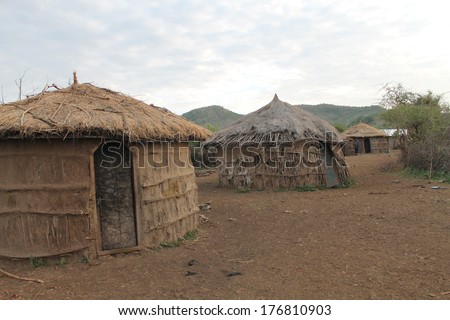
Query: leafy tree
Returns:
{"type": "Point", "coordinates": [427, 119]}
{"type": "Point", "coordinates": [396, 95]}
{"type": "Point", "coordinates": [339, 127]}
{"type": "Point", "coordinates": [421, 114]}
{"type": "Point", "coordinates": [212, 128]}
{"type": "Point", "coordinates": [369, 119]}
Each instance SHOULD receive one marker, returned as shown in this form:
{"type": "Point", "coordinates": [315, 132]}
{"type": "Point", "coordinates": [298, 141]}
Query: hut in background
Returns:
{"type": "Point", "coordinates": [86, 168]}
{"type": "Point", "coordinates": [394, 137]}
{"type": "Point", "coordinates": [278, 146]}
{"type": "Point", "coordinates": [368, 139]}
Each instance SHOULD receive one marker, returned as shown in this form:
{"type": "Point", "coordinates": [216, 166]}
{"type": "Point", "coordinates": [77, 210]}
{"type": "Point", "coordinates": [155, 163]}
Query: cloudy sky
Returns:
{"type": "Point", "coordinates": [189, 54]}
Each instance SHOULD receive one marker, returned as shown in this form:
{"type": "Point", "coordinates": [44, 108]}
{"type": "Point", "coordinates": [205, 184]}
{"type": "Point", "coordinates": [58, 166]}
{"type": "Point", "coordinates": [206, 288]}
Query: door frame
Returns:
{"type": "Point", "coordinates": [368, 143]}
{"type": "Point", "coordinates": [137, 213]}
{"type": "Point", "coordinates": [328, 152]}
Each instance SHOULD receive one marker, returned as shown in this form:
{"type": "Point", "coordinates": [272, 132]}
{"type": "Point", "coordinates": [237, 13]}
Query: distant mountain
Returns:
{"type": "Point", "coordinates": [212, 117]}
{"type": "Point", "coordinates": [345, 115]}
{"type": "Point", "coordinates": [217, 117]}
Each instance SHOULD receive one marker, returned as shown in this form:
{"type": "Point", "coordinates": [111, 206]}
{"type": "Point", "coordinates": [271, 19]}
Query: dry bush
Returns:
{"type": "Point", "coordinates": [431, 153]}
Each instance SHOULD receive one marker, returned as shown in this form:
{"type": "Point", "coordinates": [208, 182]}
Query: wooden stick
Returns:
{"type": "Point", "coordinates": [37, 294]}
{"type": "Point", "coordinates": [23, 115]}
{"type": "Point", "coordinates": [20, 278]}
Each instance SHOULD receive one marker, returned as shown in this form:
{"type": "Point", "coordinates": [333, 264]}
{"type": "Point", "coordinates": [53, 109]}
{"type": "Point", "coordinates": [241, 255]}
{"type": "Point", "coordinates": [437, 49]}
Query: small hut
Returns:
{"type": "Point", "coordinates": [278, 147]}
{"type": "Point", "coordinates": [92, 170]}
{"type": "Point", "coordinates": [364, 138]}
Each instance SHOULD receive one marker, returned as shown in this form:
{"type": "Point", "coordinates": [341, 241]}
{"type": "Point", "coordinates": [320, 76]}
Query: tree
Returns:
{"type": "Point", "coordinates": [339, 127]}
{"type": "Point", "coordinates": [419, 113]}
{"type": "Point", "coordinates": [396, 95]}
{"type": "Point", "coordinates": [212, 128]}
{"type": "Point", "coordinates": [426, 117]}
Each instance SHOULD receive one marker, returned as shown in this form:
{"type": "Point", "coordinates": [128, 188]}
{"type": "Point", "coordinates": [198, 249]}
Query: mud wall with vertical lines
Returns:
{"type": "Point", "coordinates": [167, 192]}
{"type": "Point", "coordinates": [48, 203]}
{"type": "Point", "coordinates": [45, 188]}
{"type": "Point", "coordinates": [276, 168]}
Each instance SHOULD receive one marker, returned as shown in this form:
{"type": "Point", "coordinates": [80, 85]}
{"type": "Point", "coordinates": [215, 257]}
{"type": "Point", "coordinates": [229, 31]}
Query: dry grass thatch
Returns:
{"type": "Point", "coordinates": [277, 121]}
{"type": "Point", "coordinates": [84, 110]}
{"type": "Point", "coordinates": [363, 130]}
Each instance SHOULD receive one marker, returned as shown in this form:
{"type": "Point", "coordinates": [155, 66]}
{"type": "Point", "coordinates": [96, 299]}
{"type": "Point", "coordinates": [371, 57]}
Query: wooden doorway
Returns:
{"type": "Point", "coordinates": [367, 147]}
{"type": "Point", "coordinates": [331, 177]}
{"type": "Point", "coordinates": [115, 196]}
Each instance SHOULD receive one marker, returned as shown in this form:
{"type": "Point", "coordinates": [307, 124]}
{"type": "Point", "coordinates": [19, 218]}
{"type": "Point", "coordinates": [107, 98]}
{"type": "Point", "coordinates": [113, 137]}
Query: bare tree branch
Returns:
{"type": "Point", "coordinates": [19, 84]}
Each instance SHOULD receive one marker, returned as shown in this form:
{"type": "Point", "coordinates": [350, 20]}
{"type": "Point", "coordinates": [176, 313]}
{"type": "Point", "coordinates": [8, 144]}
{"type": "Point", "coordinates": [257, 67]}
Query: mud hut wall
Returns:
{"type": "Point", "coordinates": [275, 168]}
{"type": "Point", "coordinates": [349, 149]}
{"type": "Point", "coordinates": [45, 190]}
{"type": "Point", "coordinates": [379, 144]}
{"type": "Point", "coordinates": [167, 192]}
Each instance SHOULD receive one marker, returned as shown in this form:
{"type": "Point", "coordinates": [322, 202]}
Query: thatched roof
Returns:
{"type": "Point", "coordinates": [84, 110]}
{"type": "Point", "coordinates": [363, 130]}
{"type": "Point", "coordinates": [278, 121]}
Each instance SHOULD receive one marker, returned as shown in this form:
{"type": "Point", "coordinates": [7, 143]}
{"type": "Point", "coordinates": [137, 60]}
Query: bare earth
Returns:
{"type": "Point", "coordinates": [388, 237]}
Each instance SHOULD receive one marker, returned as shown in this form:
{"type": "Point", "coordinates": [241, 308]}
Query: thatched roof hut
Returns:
{"type": "Point", "coordinates": [279, 146]}
{"type": "Point", "coordinates": [366, 139]}
{"type": "Point", "coordinates": [86, 168]}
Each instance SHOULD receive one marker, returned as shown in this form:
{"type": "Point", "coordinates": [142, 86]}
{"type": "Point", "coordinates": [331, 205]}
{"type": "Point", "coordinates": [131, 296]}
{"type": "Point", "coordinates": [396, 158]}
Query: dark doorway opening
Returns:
{"type": "Point", "coordinates": [115, 196]}
{"type": "Point", "coordinates": [367, 148]}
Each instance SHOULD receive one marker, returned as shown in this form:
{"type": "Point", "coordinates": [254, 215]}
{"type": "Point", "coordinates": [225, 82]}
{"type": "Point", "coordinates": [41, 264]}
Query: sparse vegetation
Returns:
{"type": "Point", "coordinates": [38, 262]}
{"type": "Point", "coordinates": [347, 183]}
{"type": "Point", "coordinates": [427, 119]}
{"type": "Point", "coordinates": [171, 244]}
{"type": "Point", "coordinates": [190, 235]}
{"type": "Point", "coordinates": [441, 176]}
{"type": "Point", "coordinates": [307, 188]}
{"type": "Point", "coordinates": [62, 261]}
{"type": "Point", "coordinates": [85, 259]}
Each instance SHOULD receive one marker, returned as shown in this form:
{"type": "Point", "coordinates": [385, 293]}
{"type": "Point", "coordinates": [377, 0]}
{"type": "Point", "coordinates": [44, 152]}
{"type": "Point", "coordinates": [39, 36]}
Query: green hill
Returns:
{"type": "Point", "coordinates": [346, 116]}
{"type": "Point", "coordinates": [212, 117]}
{"type": "Point", "coordinates": [217, 117]}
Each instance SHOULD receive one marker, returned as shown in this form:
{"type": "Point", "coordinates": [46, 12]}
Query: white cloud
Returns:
{"type": "Point", "coordinates": [189, 54]}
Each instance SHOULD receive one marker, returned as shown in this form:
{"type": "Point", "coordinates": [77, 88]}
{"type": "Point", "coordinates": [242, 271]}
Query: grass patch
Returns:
{"type": "Point", "coordinates": [347, 183]}
{"type": "Point", "coordinates": [62, 261]}
{"type": "Point", "coordinates": [307, 188]}
{"type": "Point", "coordinates": [85, 259]}
{"type": "Point", "coordinates": [243, 190]}
{"type": "Point", "coordinates": [190, 235]}
{"type": "Point", "coordinates": [38, 262]}
{"type": "Point", "coordinates": [171, 244]}
{"type": "Point", "coordinates": [414, 173]}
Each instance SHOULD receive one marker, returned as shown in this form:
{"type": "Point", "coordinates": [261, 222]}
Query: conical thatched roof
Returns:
{"type": "Point", "coordinates": [278, 121]}
{"type": "Point", "coordinates": [363, 130]}
{"type": "Point", "coordinates": [84, 110]}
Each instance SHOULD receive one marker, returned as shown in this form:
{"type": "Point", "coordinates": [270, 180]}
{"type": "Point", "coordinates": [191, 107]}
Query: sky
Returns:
{"type": "Point", "coordinates": [183, 55]}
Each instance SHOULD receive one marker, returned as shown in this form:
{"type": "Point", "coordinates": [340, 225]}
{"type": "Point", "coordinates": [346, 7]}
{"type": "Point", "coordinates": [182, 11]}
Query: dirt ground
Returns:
{"type": "Point", "coordinates": [387, 237]}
